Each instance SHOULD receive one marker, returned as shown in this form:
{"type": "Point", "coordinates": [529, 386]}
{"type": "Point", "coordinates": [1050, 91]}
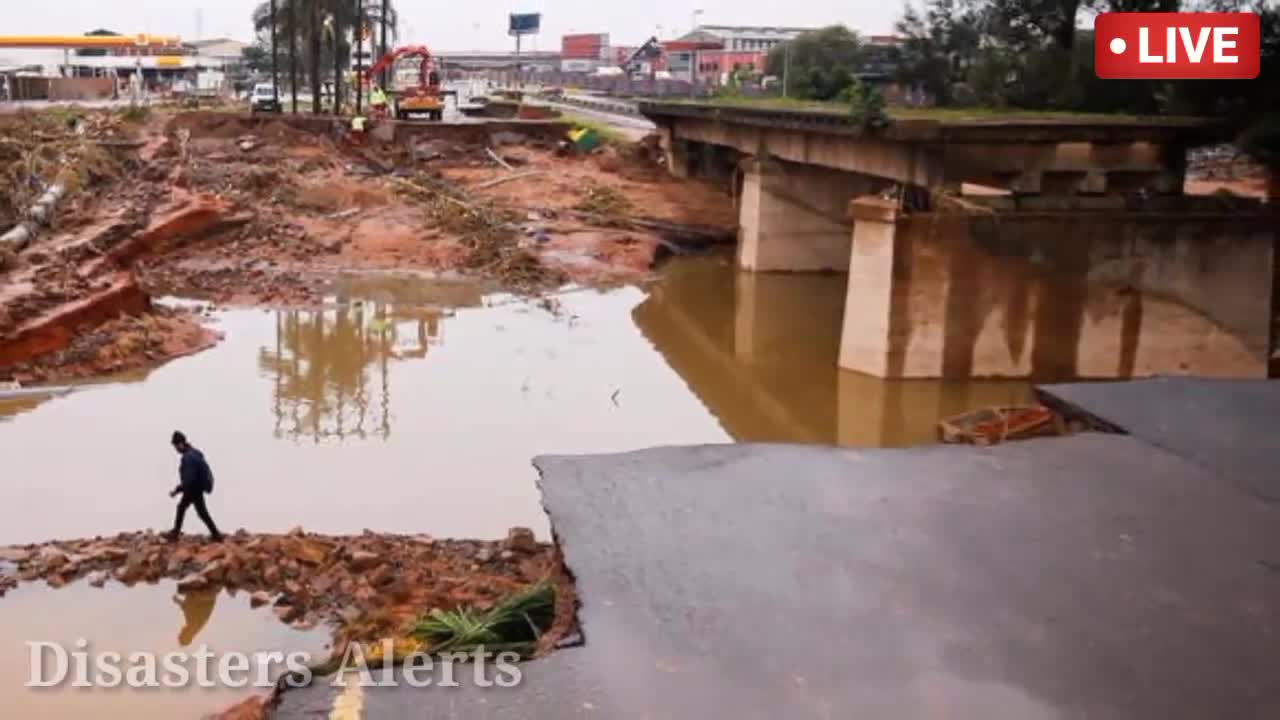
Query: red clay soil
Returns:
{"type": "Point", "coordinates": [127, 342]}
{"type": "Point", "coordinates": [1254, 187]}
{"type": "Point", "coordinates": [53, 330]}
{"type": "Point", "coordinates": [320, 207]}
{"type": "Point", "coordinates": [220, 208]}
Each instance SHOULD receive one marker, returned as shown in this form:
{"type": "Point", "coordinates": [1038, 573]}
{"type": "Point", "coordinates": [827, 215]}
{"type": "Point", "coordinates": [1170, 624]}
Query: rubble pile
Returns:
{"type": "Point", "coordinates": [490, 235]}
{"type": "Point", "coordinates": [1218, 169]}
{"type": "Point", "coordinates": [69, 146]}
{"type": "Point", "coordinates": [365, 587]}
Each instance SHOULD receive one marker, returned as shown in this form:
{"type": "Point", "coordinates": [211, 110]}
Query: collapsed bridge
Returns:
{"type": "Point", "coordinates": [1048, 247]}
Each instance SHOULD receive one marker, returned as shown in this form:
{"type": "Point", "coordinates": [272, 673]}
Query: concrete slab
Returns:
{"type": "Point", "coordinates": [1091, 576]}
{"type": "Point", "coordinates": [1226, 426]}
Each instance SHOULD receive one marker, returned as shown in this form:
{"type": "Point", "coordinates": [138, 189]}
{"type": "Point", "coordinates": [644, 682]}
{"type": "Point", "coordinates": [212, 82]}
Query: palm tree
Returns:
{"type": "Point", "coordinates": [315, 34]}
{"type": "Point", "coordinates": [357, 35]}
{"type": "Point", "coordinates": [267, 16]}
{"type": "Point", "coordinates": [275, 59]}
{"type": "Point", "coordinates": [320, 32]}
{"type": "Point", "coordinates": [336, 23]}
{"type": "Point", "coordinates": [293, 54]}
{"type": "Point", "coordinates": [383, 15]}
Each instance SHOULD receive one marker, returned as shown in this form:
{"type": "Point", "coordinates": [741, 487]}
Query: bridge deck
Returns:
{"type": "Point", "coordinates": [1012, 128]}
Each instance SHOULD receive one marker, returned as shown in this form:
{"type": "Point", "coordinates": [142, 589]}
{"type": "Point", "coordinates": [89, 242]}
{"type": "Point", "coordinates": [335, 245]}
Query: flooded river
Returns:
{"type": "Point", "coordinates": [406, 407]}
{"type": "Point", "coordinates": [145, 618]}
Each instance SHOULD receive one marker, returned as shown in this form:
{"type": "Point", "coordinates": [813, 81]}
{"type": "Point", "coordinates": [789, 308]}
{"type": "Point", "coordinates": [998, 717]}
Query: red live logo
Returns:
{"type": "Point", "coordinates": [1177, 46]}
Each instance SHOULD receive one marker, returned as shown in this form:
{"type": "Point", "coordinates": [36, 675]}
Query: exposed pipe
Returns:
{"type": "Point", "coordinates": [20, 235]}
{"type": "Point", "coordinates": [7, 393]}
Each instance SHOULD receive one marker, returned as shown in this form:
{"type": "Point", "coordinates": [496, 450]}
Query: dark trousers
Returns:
{"type": "Point", "coordinates": [196, 500]}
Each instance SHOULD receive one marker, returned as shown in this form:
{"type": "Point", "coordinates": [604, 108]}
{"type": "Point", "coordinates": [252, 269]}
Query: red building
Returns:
{"type": "Point", "coordinates": [589, 46]}
{"type": "Point", "coordinates": [717, 62]}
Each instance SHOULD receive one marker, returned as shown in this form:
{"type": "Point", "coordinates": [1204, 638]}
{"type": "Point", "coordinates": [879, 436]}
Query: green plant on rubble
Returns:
{"type": "Point", "coordinates": [514, 624]}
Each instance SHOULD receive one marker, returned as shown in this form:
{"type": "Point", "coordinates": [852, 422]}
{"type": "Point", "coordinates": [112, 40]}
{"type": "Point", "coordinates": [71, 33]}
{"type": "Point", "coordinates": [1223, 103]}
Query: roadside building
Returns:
{"type": "Point", "coordinates": [228, 52]}
{"type": "Point", "coordinates": [584, 52]}
{"type": "Point", "coordinates": [718, 51]}
{"type": "Point", "coordinates": [748, 38]}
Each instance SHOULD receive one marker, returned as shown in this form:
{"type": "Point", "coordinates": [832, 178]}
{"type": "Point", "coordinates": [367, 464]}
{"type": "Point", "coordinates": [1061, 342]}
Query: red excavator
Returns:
{"type": "Point", "coordinates": [424, 98]}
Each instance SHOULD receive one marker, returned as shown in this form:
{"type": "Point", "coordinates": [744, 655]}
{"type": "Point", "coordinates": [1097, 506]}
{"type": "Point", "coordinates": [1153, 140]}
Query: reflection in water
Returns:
{"type": "Point", "coordinates": [760, 351]}
{"type": "Point", "coordinates": [331, 367]}
{"type": "Point", "coordinates": [705, 355]}
{"type": "Point", "coordinates": [144, 618]}
{"type": "Point", "coordinates": [197, 608]}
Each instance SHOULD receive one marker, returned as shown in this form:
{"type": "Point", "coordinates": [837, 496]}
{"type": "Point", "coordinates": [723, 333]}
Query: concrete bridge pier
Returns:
{"type": "Point", "coordinates": [794, 217]}
{"type": "Point", "coordinates": [1060, 288]}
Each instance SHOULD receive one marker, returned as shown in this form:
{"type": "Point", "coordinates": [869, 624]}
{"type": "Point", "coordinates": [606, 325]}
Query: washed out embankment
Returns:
{"type": "Point", "coordinates": [249, 211]}
{"type": "Point", "coordinates": [363, 587]}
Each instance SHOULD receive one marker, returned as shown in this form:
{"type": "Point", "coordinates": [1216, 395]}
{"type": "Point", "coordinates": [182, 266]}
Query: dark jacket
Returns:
{"type": "Point", "coordinates": [194, 473]}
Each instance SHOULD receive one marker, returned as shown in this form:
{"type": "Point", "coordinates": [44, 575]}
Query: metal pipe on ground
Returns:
{"type": "Point", "coordinates": [20, 235]}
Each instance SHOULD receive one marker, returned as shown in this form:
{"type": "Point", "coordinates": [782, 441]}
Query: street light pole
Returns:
{"type": "Point", "coordinates": [786, 65]}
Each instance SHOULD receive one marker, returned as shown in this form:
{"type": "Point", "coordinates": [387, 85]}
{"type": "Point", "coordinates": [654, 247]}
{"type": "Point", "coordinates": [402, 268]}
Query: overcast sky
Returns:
{"type": "Point", "coordinates": [470, 25]}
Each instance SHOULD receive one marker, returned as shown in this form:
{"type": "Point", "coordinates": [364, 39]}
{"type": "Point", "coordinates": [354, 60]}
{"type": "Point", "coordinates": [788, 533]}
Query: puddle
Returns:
{"type": "Point", "coordinates": [145, 618]}
{"type": "Point", "coordinates": [419, 408]}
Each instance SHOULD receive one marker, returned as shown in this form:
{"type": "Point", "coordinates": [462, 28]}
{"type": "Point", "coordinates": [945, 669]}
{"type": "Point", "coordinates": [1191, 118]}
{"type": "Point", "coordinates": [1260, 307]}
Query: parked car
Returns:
{"type": "Point", "coordinates": [264, 99]}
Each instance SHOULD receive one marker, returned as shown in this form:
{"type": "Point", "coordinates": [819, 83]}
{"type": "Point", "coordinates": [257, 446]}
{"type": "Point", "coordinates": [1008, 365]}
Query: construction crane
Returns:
{"type": "Point", "coordinates": [423, 98]}
{"type": "Point", "coordinates": [650, 51]}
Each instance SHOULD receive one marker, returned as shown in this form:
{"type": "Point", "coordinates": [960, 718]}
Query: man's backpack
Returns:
{"type": "Point", "coordinates": [208, 478]}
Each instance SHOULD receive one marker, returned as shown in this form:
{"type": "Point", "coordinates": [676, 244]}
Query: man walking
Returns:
{"type": "Point", "coordinates": [194, 480]}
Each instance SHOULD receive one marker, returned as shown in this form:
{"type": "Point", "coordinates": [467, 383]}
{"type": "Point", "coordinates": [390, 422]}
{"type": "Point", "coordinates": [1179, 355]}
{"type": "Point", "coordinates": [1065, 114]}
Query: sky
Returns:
{"type": "Point", "coordinates": [473, 25]}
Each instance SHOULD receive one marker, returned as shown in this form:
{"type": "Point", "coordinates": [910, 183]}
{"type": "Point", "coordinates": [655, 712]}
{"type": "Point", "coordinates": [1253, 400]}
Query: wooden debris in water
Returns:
{"type": "Point", "coordinates": [992, 425]}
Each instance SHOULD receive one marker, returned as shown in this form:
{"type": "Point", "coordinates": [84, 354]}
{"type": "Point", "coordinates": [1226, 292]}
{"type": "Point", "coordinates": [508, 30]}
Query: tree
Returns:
{"type": "Point", "coordinates": [315, 34]}
{"type": "Point", "coordinates": [275, 55]}
{"type": "Point", "coordinates": [318, 36]}
{"type": "Point", "coordinates": [821, 63]}
{"type": "Point", "coordinates": [388, 20]}
{"type": "Point", "coordinates": [938, 46]}
{"type": "Point", "coordinates": [1033, 23]}
{"type": "Point", "coordinates": [293, 53]}
{"type": "Point", "coordinates": [256, 58]}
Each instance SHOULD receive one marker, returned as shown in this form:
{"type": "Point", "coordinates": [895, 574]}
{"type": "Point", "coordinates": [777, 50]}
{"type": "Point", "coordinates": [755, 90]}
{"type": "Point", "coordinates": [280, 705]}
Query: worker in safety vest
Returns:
{"type": "Point", "coordinates": [378, 101]}
{"type": "Point", "coordinates": [359, 124]}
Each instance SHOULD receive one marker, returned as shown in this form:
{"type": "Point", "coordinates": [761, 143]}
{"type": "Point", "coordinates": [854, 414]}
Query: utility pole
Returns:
{"type": "Point", "coordinates": [786, 66]}
{"type": "Point", "coordinates": [519, 81]}
{"type": "Point", "coordinates": [275, 60]}
{"type": "Point", "coordinates": [359, 38]}
{"type": "Point", "coordinates": [383, 50]}
{"type": "Point", "coordinates": [293, 53]}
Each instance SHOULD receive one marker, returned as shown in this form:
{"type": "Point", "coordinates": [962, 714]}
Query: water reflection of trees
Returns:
{"type": "Point", "coordinates": [331, 367]}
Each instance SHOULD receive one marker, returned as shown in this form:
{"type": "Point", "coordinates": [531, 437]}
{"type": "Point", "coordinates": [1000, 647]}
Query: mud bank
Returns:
{"type": "Point", "coordinates": [364, 587]}
{"type": "Point", "coordinates": [249, 211]}
{"type": "Point", "coordinates": [125, 343]}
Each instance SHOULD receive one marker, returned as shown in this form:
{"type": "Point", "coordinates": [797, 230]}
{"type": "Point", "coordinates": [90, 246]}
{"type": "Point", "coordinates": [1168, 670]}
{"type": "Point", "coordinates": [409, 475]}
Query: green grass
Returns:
{"type": "Point", "coordinates": [955, 114]}
{"type": "Point", "coordinates": [516, 623]}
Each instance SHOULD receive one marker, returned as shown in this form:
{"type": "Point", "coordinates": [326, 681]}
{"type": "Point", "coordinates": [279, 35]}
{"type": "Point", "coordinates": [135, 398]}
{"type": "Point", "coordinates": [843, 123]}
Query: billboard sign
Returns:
{"type": "Point", "coordinates": [524, 23]}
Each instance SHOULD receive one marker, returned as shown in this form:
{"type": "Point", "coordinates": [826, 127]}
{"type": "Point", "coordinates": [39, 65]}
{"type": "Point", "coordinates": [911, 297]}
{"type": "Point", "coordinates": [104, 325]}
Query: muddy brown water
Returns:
{"type": "Point", "coordinates": [411, 407]}
{"type": "Point", "coordinates": [145, 618]}
{"type": "Point", "coordinates": [415, 406]}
